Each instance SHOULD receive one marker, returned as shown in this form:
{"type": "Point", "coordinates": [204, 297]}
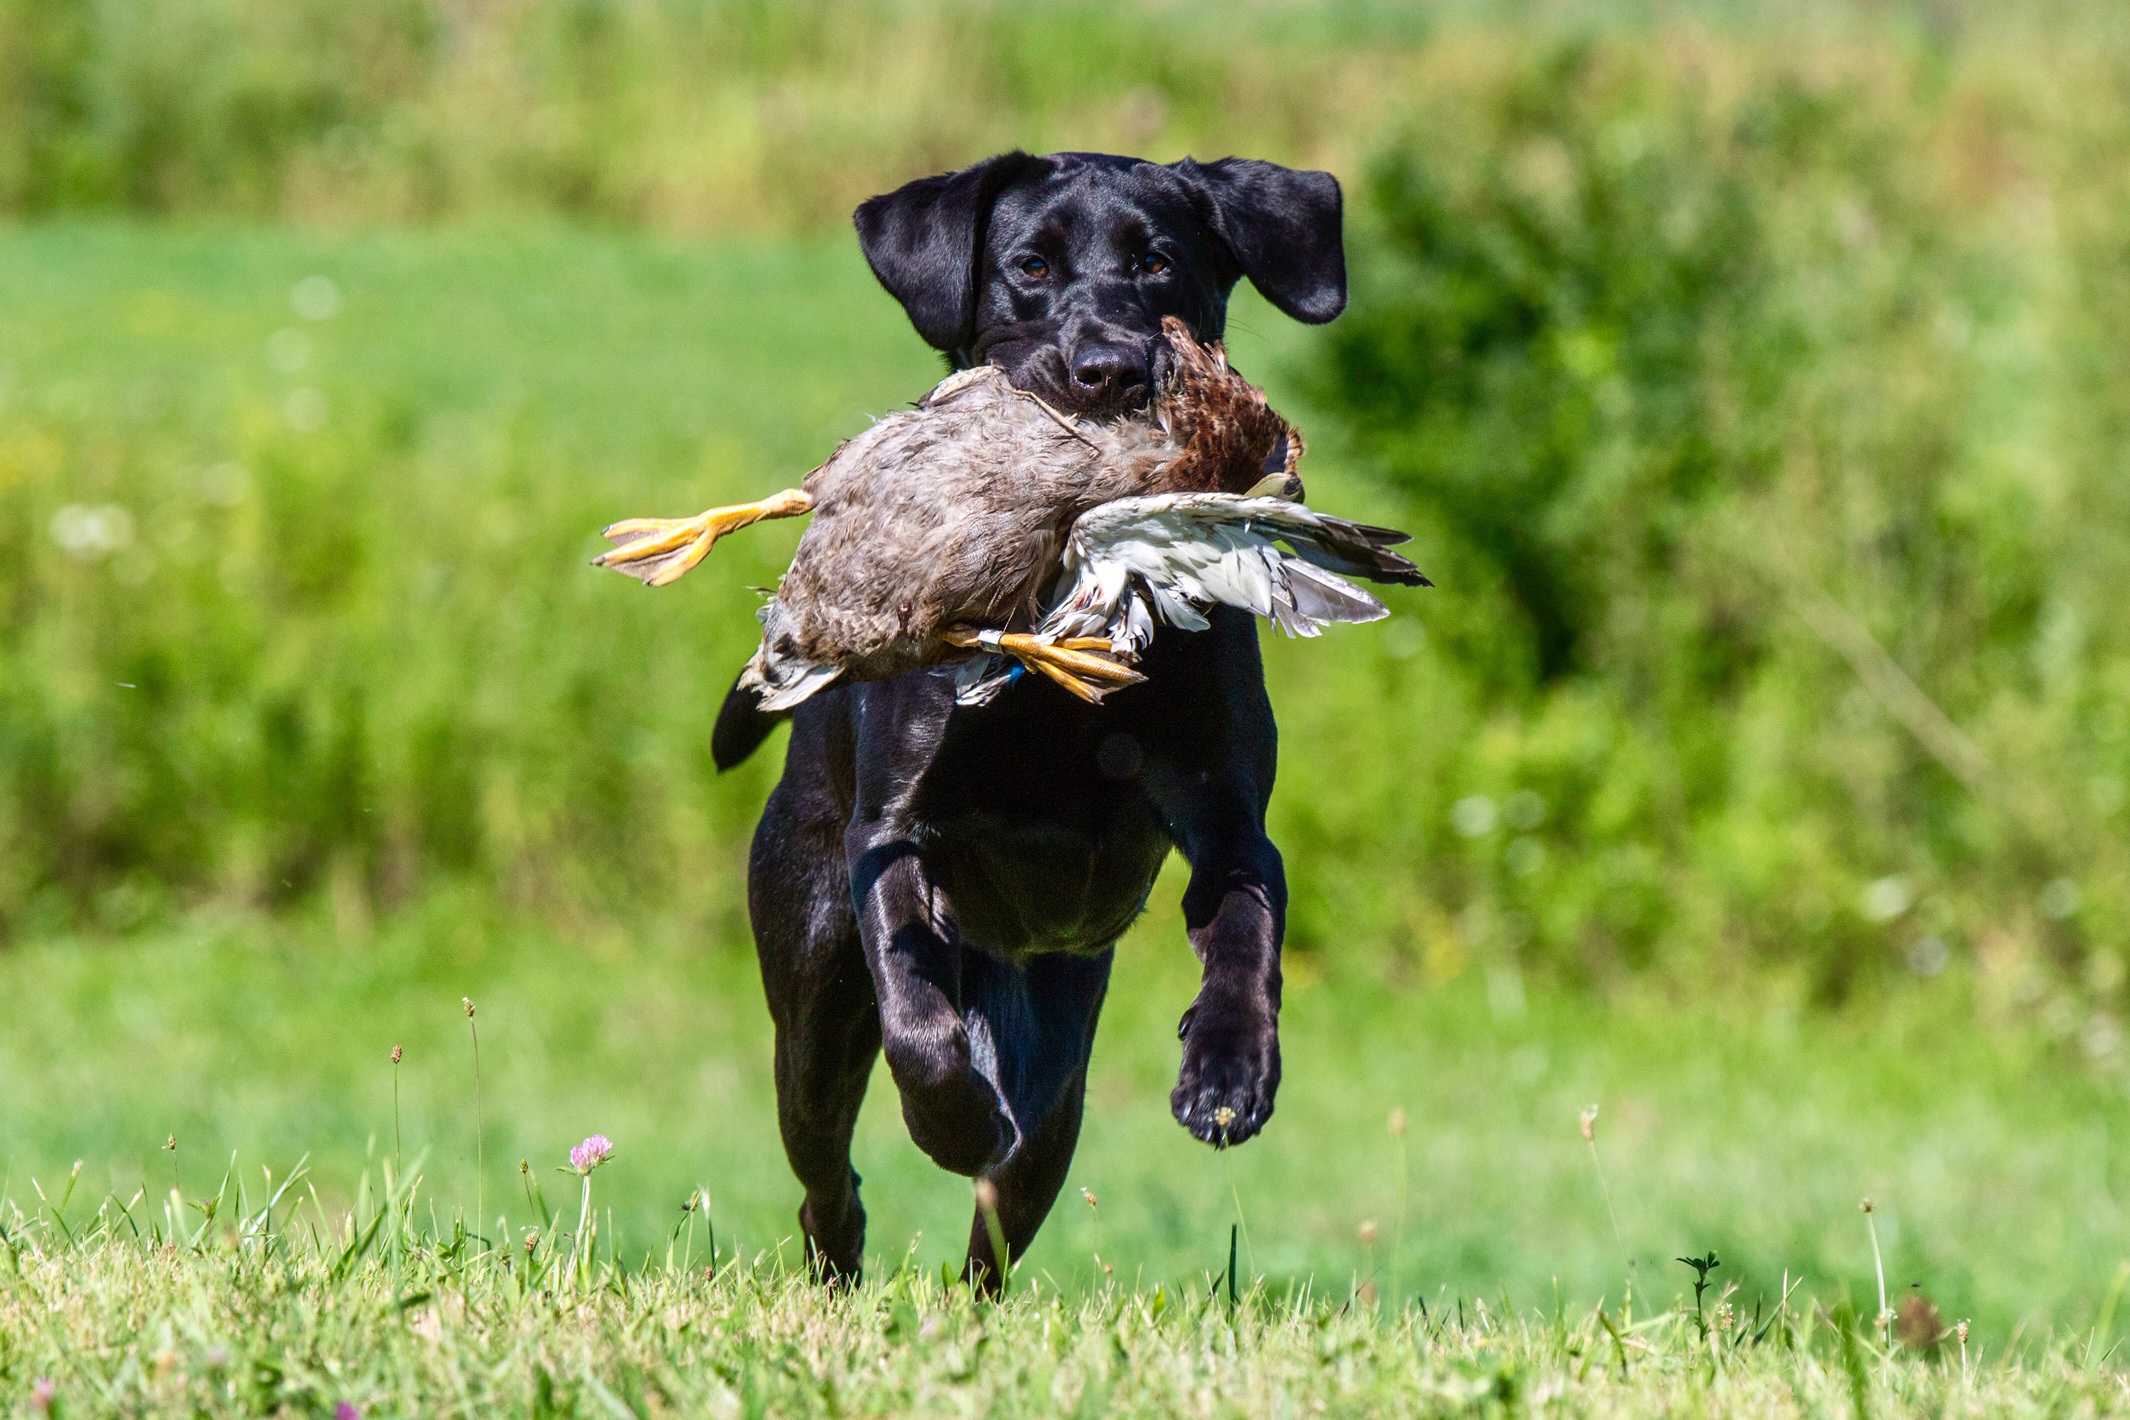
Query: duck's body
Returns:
{"type": "Point", "coordinates": [941, 528]}
{"type": "Point", "coordinates": [952, 515]}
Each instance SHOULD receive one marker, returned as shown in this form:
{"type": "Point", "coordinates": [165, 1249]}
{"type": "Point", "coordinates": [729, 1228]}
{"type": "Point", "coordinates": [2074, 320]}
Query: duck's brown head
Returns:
{"type": "Point", "coordinates": [1232, 439]}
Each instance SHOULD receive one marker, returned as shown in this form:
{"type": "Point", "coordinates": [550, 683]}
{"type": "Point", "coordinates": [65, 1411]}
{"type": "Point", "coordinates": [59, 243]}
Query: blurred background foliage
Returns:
{"type": "Point", "coordinates": [690, 115]}
{"type": "Point", "coordinates": [1750, 399]}
{"type": "Point", "coordinates": [1756, 387]}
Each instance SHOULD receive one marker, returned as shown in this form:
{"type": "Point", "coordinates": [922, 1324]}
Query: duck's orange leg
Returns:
{"type": "Point", "coordinates": [1081, 664]}
{"type": "Point", "coordinates": [657, 551]}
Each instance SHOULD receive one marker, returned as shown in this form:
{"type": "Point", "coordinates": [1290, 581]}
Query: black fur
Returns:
{"type": "Point", "coordinates": [945, 885]}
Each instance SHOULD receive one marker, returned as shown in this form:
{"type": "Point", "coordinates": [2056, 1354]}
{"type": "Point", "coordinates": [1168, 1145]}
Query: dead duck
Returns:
{"type": "Point", "coordinates": [939, 536]}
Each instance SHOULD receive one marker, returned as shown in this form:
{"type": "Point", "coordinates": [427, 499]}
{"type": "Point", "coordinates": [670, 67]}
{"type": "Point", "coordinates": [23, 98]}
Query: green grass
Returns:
{"type": "Point", "coordinates": [1989, 1159]}
{"type": "Point", "coordinates": [281, 1323]}
{"type": "Point", "coordinates": [1994, 1159]}
{"type": "Point", "coordinates": [309, 669]}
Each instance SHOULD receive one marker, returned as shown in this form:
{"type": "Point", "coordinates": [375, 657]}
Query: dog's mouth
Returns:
{"type": "Point", "coordinates": [1112, 382]}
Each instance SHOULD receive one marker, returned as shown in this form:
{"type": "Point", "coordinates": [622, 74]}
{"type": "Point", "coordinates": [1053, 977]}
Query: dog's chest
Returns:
{"type": "Point", "coordinates": [1018, 884]}
{"type": "Point", "coordinates": [1039, 843]}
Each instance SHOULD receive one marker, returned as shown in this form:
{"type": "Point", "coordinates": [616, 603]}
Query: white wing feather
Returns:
{"type": "Point", "coordinates": [1135, 563]}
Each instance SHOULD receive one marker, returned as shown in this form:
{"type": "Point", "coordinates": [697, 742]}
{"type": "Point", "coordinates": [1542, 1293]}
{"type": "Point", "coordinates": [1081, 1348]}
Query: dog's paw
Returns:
{"type": "Point", "coordinates": [835, 1239]}
{"type": "Point", "coordinates": [1230, 1072]}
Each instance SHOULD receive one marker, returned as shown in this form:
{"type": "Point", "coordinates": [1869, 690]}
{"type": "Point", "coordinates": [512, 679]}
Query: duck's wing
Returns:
{"type": "Point", "coordinates": [1137, 562]}
{"type": "Point", "coordinates": [1133, 564]}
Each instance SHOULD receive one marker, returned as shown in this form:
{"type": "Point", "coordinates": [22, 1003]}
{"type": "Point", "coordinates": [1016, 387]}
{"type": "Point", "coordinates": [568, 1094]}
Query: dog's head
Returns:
{"type": "Point", "coordinates": [1060, 269]}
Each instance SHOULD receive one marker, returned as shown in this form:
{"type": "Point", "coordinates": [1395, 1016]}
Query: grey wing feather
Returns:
{"type": "Point", "coordinates": [1357, 550]}
{"type": "Point", "coordinates": [978, 680]}
{"type": "Point", "coordinates": [1318, 596]}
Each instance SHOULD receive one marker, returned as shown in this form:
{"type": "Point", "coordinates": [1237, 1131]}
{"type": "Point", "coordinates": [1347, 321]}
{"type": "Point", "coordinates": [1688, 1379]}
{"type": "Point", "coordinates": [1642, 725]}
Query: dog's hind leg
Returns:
{"type": "Point", "coordinates": [821, 998]}
{"type": "Point", "coordinates": [951, 1098]}
{"type": "Point", "coordinates": [1045, 1023]}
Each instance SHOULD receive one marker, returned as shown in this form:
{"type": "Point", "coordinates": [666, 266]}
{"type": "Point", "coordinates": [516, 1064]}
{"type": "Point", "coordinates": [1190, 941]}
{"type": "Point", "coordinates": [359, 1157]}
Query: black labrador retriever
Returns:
{"type": "Point", "coordinates": [947, 884]}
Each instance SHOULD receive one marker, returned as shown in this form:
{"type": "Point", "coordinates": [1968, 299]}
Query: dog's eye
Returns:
{"type": "Point", "coordinates": [1153, 263]}
{"type": "Point", "coordinates": [1035, 267]}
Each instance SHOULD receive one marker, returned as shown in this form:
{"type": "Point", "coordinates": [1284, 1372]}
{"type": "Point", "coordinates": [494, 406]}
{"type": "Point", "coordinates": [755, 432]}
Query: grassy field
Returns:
{"type": "Point", "coordinates": [371, 1321]}
{"type": "Point", "coordinates": [1994, 1160]}
{"type": "Point", "coordinates": [316, 723]}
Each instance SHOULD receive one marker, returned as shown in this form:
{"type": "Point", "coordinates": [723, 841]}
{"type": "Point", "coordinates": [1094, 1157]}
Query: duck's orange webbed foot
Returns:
{"type": "Point", "coordinates": [656, 551]}
{"type": "Point", "coordinates": [1082, 664]}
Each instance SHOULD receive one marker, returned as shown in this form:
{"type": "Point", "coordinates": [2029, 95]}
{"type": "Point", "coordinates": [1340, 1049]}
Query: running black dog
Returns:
{"type": "Point", "coordinates": [947, 884]}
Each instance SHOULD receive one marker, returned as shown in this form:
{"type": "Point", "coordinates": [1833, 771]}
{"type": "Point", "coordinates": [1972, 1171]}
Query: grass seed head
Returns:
{"type": "Point", "coordinates": [986, 1195]}
{"type": "Point", "coordinates": [1368, 1232]}
{"type": "Point", "coordinates": [1866, 1206]}
{"type": "Point", "coordinates": [467, 1002]}
{"type": "Point", "coordinates": [1588, 1118]}
{"type": "Point", "coordinates": [396, 1052]}
{"type": "Point", "coordinates": [1397, 1122]}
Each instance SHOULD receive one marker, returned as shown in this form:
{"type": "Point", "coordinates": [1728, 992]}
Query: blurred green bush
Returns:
{"type": "Point", "coordinates": [694, 115]}
{"type": "Point", "coordinates": [1764, 404]}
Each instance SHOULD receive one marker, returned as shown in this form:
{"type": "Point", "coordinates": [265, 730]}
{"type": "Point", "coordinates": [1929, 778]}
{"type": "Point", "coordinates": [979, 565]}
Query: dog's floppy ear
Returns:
{"type": "Point", "coordinates": [924, 239]}
{"type": "Point", "coordinates": [1283, 226]}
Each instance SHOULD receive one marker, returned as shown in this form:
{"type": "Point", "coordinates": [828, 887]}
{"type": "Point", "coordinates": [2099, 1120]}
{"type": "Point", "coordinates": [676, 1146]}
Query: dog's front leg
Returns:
{"type": "Point", "coordinates": [912, 946]}
{"type": "Point", "coordinates": [1213, 753]}
{"type": "Point", "coordinates": [1236, 912]}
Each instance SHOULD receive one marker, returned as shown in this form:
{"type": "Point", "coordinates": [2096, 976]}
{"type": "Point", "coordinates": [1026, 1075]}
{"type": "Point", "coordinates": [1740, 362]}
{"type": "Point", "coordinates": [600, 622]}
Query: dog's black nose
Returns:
{"type": "Point", "coordinates": [1108, 367]}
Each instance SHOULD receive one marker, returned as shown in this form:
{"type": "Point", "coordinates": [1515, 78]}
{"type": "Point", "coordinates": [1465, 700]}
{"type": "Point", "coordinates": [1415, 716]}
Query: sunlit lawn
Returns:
{"type": "Point", "coordinates": [1993, 1161]}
